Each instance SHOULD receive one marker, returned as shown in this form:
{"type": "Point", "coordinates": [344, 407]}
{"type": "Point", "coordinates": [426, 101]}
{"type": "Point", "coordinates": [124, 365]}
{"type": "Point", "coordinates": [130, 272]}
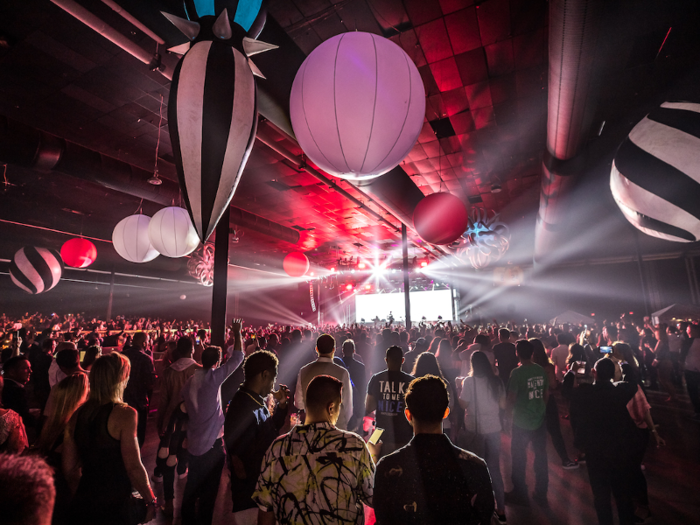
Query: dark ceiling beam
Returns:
{"type": "Point", "coordinates": [25, 146]}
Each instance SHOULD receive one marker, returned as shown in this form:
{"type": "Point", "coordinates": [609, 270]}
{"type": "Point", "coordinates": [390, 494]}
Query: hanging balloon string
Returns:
{"type": "Point", "coordinates": [4, 176]}
{"type": "Point", "coordinates": [160, 125]}
{"type": "Point", "coordinates": [139, 208]}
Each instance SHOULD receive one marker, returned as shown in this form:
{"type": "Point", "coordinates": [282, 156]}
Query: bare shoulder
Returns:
{"type": "Point", "coordinates": [123, 412]}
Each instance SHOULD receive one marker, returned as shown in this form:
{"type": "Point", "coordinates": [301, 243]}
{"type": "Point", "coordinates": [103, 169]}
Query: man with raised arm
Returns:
{"type": "Point", "coordinates": [202, 395]}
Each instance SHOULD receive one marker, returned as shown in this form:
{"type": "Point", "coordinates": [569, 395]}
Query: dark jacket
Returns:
{"type": "Point", "coordinates": [600, 420]}
{"type": "Point", "coordinates": [431, 481]}
{"type": "Point", "coordinates": [143, 376]}
{"type": "Point", "coordinates": [248, 432]}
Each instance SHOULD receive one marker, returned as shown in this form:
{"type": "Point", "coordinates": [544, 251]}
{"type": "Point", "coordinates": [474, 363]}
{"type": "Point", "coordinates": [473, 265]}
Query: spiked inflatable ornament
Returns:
{"type": "Point", "coordinates": [212, 112]}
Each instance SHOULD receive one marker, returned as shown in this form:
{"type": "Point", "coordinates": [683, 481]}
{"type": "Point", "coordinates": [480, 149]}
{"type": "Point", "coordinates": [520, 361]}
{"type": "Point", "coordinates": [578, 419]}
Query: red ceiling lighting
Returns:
{"type": "Point", "coordinates": [348, 287]}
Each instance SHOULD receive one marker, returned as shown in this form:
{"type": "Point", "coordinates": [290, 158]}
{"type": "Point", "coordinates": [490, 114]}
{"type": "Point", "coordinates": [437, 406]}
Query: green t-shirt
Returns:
{"type": "Point", "coordinates": [529, 383]}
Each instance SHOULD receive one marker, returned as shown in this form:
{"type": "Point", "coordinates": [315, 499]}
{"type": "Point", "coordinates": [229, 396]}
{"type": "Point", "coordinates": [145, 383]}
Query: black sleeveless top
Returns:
{"type": "Point", "coordinates": [104, 490]}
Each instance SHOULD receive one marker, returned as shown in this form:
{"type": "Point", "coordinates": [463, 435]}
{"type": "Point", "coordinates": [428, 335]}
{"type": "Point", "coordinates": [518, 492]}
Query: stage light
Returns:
{"type": "Point", "coordinates": [424, 264]}
{"type": "Point", "coordinates": [631, 313]}
{"type": "Point", "coordinates": [361, 266]}
{"type": "Point", "coordinates": [333, 269]}
{"type": "Point", "coordinates": [368, 287]}
{"type": "Point", "coordinates": [592, 315]}
{"type": "Point", "coordinates": [348, 287]}
{"type": "Point", "coordinates": [312, 274]}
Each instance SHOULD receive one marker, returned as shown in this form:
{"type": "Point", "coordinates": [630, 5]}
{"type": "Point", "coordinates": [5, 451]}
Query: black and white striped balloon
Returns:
{"type": "Point", "coordinates": [36, 270]}
{"type": "Point", "coordinates": [655, 176]}
{"type": "Point", "coordinates": [213, 120]}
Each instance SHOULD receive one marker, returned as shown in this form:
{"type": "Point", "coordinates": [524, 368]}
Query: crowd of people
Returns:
{"type": "Point", "coordinates": [327, 424]}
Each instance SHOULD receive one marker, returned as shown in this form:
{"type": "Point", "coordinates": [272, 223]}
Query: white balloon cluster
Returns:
{"type": "Point", "coordinates": [485, 241]}
{"type": "Point", "coordinates": [140, 239]}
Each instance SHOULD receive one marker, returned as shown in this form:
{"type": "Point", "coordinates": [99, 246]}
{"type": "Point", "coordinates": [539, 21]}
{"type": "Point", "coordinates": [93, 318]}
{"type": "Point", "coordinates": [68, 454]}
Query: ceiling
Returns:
{"type": "Point", "coordinates": [484, 68]}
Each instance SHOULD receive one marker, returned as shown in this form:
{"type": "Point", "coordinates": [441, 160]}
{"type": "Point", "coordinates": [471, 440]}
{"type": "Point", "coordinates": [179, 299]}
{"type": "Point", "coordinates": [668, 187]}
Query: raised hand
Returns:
{"type": "Point", "coordinates": [236, 326]}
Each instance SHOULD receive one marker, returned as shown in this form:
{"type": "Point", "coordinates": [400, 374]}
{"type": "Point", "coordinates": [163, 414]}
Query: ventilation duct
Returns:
{"type": "Point", "coordinates": [29, 147]}
{"type": "Point", "coordinates": [573, 34]}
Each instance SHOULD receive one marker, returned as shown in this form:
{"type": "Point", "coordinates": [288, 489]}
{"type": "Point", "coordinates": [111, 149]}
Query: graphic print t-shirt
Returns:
{"type": "Point", "coordinates": [529, 382]}
{"type": "Point", "coordinates": [388, 388]}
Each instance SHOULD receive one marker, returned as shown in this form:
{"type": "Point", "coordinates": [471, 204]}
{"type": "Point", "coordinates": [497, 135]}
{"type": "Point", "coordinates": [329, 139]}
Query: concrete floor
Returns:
{"type": "Point", "coordinates": [673, 475]}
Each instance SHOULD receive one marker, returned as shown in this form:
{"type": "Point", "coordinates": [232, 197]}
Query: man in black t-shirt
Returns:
{"type": "Point", "coordinates": [385, 394]}
{"type": "Point", "coordinates": [504, 353]}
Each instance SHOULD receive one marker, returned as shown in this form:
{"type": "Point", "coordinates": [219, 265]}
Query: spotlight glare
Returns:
{"type": "Point", "coordinates": [362, 266]}
{"type": "Point", "coordinates": [423, 264]}
{"type": "Point", "coordinates": [333, 269]}
{"type": "Point", "coordinates": [348, 287]}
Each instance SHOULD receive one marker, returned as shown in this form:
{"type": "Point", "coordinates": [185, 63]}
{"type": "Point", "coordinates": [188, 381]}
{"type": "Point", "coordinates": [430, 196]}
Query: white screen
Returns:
{"type": "Point", "coordinates": [423, 304]}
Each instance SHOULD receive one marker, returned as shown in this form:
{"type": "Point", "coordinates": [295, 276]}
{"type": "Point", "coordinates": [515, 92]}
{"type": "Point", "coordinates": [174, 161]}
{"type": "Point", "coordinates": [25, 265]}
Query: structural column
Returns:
{"type": "Point", "coordinates": [220, 288]}
{"type": "Point", "coordinates": [406, 275]}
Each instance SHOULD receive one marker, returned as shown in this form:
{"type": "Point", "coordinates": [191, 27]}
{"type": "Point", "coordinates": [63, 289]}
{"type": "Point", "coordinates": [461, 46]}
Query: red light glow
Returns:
{"type": "Point", "coordinates": [424, 264]}
{"type": "Point", "coordinates": [362, 266]}
{"type": "Point", "coordinates": [348, 287]}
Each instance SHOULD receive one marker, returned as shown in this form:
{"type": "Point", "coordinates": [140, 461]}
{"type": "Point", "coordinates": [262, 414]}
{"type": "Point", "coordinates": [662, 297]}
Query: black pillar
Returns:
{"type": "Point", "coordinates": [111, 296]}
{"type": "Point", "coordinates": [406, 275]}
{"type": "Point", "coordinates": [220, 288]}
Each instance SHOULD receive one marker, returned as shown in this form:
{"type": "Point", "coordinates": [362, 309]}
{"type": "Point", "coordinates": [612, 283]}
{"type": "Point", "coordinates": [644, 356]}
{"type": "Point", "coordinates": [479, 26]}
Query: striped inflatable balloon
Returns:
{"type": "Point", "coordinates": [212, 116]}
{"type": "Point", "coordinates": [655, 176]}
{"type": "Point", "coordinates": [36, 270]}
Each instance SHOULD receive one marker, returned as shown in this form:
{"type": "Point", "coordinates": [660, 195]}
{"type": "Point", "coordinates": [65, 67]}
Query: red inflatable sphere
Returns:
{"type": "Point", "coordinates": [296, 264]}
{"type": "Point", "coordinates": [440, 218]}
{"type": "Point", "coordinates": [78, 253]}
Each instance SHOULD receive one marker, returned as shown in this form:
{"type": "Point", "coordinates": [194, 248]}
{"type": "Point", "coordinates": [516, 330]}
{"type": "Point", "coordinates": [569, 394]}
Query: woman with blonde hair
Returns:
{"type": "Point", "coordinates": [69, 394]}
{"type": "Point", "coordinates": [66, 397]}
{"type": "Point", "coordinates": [101, 457]}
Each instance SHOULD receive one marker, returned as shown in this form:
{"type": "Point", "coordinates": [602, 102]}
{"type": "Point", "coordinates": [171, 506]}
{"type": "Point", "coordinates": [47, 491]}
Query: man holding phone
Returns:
{"type": "Point", "coordinates": [385, 394]}
{"type": "Point", "coordinates": [249, 430]}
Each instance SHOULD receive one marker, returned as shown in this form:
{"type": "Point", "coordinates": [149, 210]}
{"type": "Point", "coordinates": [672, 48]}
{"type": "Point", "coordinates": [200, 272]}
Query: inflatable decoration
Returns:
{"type": "Point", "coordinates": [78, 253]}
{"type": "Point", "coordinates": [36, 270]}
{"type": "Point", "coordinates": [485, 241]}
{"type": "Point", "coordinates": [201, 264]}
{"type": "Point", "coordinates": [357, 105]}
{"type": "Point", "coordinates": [655, 177]}
{"type": "Point", "coordinates": [212, 112]}
{"type": "Point", "coordinates": [171, 232]}
{"type": "Point", "coordinates": [130, 239]}
{"type": "Point", "coordinates": [440, 218]}
{"type": "Point", "coordinates": [296, 264]}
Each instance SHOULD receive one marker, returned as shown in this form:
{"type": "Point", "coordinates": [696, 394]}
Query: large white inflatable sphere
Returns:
{"type": "Point", "coordinates": [655, 176]}
{"type": "Point", "coordinates": [357, 105]}
{"type": "Point", "coordinates": [171, 232]}
{"type": "Point", "coordinates": [130, 239]}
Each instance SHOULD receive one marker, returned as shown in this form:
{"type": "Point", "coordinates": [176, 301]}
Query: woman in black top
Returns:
{"type": "Point", "coordinates": [101, 440]}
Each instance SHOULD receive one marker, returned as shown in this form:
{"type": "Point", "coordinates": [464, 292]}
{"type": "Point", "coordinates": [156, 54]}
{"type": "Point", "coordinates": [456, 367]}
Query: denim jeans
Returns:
{"type": "Point", "coordinates": [203, 485]}
{"type": "Point", "coordinates": [492, 456]}
{"type": "Point", "coordinates": [518, 452]}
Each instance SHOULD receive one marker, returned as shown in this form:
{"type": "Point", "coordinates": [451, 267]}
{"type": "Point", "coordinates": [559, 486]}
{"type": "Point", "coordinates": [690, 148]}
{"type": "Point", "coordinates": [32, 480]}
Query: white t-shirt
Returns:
{"type": "Point", "coordinates": [559, 356]}
{"type": "Point", "coordinates": [482, 405]}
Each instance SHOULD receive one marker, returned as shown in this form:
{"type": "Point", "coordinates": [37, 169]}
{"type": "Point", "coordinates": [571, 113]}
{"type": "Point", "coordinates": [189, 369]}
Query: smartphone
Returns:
{"type": "Point", "coordinates": [606, 349]}
{"type": "Point", "coordinates": [252, 336]}
{"type": "Point", "coordinates": [376, 435]}
{"type": "Point", "coordinates": [580, 368]}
